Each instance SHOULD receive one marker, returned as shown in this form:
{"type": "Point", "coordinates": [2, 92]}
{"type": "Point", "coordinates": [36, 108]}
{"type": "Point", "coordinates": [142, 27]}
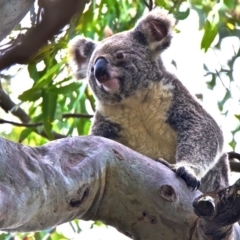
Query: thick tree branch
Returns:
{"type": "Point", "coordinates": [234, 165]}
{"type": "Point", "coordinates": [233, 155]}
{"type": "Point", "coordinates": [12, 12]}
{"type": "Point", "coordinates": [56, 14]}
{"type": "Point", "coordinates": [218, 211]}
{"type": "Point", "coordinates": [94, 178]}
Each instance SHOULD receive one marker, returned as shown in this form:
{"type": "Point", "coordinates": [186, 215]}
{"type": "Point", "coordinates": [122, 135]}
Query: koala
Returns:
{"type": "Point", "coordinates": [143, 106]}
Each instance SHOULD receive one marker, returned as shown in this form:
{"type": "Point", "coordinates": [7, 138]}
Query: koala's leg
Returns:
{"type": "Point", "coordinates": [218, 177]}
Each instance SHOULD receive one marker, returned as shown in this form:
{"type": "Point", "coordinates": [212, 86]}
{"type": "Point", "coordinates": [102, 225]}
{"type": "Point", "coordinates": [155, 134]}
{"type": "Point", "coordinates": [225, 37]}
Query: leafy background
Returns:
{"type": "Point", "coordinates": [62, 106]}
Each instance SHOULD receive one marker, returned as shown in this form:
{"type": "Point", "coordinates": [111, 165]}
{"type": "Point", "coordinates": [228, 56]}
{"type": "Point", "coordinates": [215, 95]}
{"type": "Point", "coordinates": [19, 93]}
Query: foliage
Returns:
{"type": "Point", "coordinates": [54, 91]}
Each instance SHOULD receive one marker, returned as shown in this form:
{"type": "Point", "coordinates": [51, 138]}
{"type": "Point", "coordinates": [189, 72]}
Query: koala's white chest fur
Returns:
{"type": "Point", "coordinates": [142, 118]}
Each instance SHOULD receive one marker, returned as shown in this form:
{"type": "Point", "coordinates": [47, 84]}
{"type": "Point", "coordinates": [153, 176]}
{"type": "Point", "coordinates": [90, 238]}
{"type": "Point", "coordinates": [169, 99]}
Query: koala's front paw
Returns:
{"type": "Point", "coordinates": [188, 177]}
{"type": "Point", "coordinates": [184, 172]}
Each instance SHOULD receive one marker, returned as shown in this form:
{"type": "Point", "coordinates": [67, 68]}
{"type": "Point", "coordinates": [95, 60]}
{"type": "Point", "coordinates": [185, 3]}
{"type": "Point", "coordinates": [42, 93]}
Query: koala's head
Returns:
{"type": "Point", "coordinates": [123, 64]}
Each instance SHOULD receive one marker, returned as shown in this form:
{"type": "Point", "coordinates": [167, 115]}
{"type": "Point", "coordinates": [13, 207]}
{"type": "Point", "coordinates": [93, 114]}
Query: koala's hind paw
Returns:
{"type": "Point", "coordinates": [188, 177]}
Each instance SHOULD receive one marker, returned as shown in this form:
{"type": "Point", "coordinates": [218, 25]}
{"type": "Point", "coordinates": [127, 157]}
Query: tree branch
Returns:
{"type": "Point", "coordinates": [9, 106]}
{"type": "Point", "coordinates": [218, 211]}
{"type": "Point", "coordinates": [94, 178]}
{"type": "Point", "coordinates": [76, 115]}
{"type": "Point", "coordinates": [149, 4]}
{"type": "Point", "coordinates": [234, 165]}
{"type": "Point", "coordinates": [56, 14]}
{"type": "Point", "coordinates": [233, 155]}
{"type": "Point", "coordinates": [12, 12]}
{"type": "Point", "coordinates": [28, 125]}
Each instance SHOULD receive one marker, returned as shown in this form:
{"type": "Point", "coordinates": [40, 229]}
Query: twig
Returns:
{"type": "Point", "coordinates": [76, 115]}
{"type": "Point", "coordinates": [9, 106]}
{"type": "Point", "coordinates": [149, 5]}
{"type": "Point", "coordinates": [233, 155]}
{"type": "Point", "coordinates": [29, 125]}
{"type": "Point", "coordinates": [217, 73]}
{"type": "Point", "coordinates": [234, 165]}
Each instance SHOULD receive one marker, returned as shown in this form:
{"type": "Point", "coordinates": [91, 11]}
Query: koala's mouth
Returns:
{"type": "Point", "coordinates": [110, 85]}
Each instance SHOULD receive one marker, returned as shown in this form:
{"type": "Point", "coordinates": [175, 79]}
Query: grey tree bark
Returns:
{"type": "Point", "coordinates": [93, 178]}
{"type": "Point", "coordinates": [12, 12]}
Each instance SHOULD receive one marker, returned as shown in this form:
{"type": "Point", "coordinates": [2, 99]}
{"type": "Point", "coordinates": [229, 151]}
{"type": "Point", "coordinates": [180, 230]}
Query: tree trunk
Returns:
{"type": "Point", "coordinates": [93, 178]}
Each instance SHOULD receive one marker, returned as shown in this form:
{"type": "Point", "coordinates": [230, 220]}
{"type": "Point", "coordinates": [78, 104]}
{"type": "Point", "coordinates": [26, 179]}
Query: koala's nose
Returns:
{"type": "Point", "coordinates": [100, 70]}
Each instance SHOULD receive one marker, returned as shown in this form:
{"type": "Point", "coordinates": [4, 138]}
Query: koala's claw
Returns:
{"type": "Point", "coordinates": [190, 180]}
{"type": "Point", "coordinates": [181, 172]}
{"type": "Point", "coordinates": [167, 164]}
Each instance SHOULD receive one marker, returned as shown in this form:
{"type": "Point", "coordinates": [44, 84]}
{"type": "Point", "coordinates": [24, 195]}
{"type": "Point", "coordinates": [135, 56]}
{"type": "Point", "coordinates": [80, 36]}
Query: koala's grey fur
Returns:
{"type": "Point", "coordinates": [146, 108]}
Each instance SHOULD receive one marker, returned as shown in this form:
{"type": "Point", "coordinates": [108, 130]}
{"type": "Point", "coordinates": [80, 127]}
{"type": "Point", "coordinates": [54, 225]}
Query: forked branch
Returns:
{"type": "Point", "coordinates": [99, 179]}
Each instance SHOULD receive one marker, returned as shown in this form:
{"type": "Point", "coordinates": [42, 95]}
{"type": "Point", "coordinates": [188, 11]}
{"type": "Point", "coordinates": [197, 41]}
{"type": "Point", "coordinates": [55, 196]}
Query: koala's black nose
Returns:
{"type": "Point", "coordinates": [100, 70]}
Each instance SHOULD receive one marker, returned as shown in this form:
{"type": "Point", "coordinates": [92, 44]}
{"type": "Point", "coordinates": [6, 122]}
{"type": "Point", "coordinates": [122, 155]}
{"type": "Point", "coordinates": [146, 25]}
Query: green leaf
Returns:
{"type": "Point", "coordinates": [179, 15]}
{"type": "Point", "coordinates": [237, 129]}
{"type": "Point", "coordinates": [48, 76]}
{"type": "Point", "coordinates": [24, 134]}
{"type": "Point", "coordinates": [6, 236]}
{"type": "Point", "coordinates": [32, 70]}
{"type": "Point", "coordinates": [66, 89]}
{"type": "Point", "coordinates": [49, 105]}
{"type": "Point", "coordinates": [57, 236]}
{"type": "Point", "coordinates": [230, 3]}
{"type": "Point", "coordinates": [233, 143]}
{"type": "Point", "coordinates": [237, 116]}
{"type": "Point", "coordinates": [31, 94]}
{"type": "Point", "coordinates": [226, 97]}
{"type": "Point", "coordinates": [210, 32]}
{"type": "Point", "coordinates": [99, 224]}
{"type": "Point", "coordinates": [211, 84]}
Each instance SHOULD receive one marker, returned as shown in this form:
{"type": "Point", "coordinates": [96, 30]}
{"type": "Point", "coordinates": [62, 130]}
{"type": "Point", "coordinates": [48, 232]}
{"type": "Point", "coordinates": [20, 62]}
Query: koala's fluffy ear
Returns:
{"type": "Point", "coordinates": [154, 30]}
{"type": "Point", "coordinates": [80, 50]}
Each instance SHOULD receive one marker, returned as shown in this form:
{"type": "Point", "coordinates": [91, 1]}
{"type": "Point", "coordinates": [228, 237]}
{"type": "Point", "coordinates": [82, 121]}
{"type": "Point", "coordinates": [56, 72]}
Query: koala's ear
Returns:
{"type": "Point", "coordinates": [80, 50]}
{"type": "Point", "coordinates": [154, 30]}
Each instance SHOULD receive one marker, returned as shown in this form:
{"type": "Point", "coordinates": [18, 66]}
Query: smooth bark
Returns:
{"type": "Point", "coordinates": [11, 13]}
{"type": "Point", "coordinates": [98, 179]}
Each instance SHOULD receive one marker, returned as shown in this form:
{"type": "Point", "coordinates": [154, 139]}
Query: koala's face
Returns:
{"type": "Point", "coordinates": [121, 65]}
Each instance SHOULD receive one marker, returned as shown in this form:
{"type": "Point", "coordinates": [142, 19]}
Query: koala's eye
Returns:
{"type": "Point", "coordinates": [120, 55]}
